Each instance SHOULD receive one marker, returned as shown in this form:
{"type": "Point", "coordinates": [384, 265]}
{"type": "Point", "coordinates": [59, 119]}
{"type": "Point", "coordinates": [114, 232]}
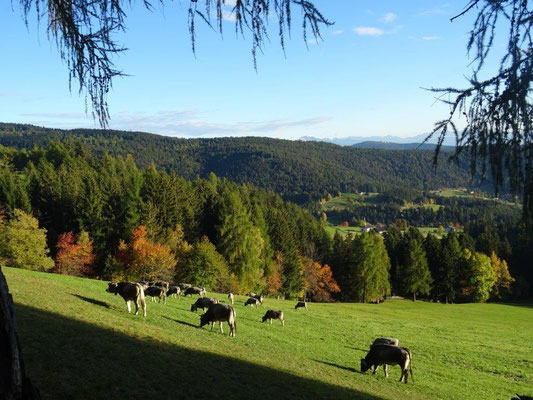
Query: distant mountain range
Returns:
{"type": "Point", "coordinates": [399, 146]}
{"type": "Point", "coordinates": [377, 141]}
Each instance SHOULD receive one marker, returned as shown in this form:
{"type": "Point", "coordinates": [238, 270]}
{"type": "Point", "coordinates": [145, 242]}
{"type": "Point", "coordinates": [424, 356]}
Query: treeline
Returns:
{"type": "Point", "coordinates": [298, 171]}
{"type": "Point", "coordinates": [407, 264]}
{"type": "Point", "coordinates": [108, 218]}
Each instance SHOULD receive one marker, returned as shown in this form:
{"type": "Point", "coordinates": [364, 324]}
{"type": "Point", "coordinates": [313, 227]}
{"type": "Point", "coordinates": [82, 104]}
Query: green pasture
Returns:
{"type": "Point", "coordinates": [79, 342]}
{"type": "Point", "coordinates": [347, 200]}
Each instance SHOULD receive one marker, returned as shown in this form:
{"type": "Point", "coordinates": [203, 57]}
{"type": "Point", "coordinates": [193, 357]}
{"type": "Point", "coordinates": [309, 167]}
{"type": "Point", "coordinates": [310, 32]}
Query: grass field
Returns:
{"type": "Point", "coordinates": [347, 200]}
{"type": "Point", "coordinates": [79, 342]}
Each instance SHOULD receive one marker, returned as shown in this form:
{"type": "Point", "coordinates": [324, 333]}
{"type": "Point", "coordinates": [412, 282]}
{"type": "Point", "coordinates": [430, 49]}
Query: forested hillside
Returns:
{"type": "Point", "coordinates": [296, 170]}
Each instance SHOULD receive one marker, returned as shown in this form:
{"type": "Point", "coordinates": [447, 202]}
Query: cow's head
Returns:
{"type": "Point", "coordinates": [112, 287]}
{"type": "Point", "coordinates": [364, 365]}
{"type": "Point", "coordinates": [265, 318]}
{"type": "Point", "coordinates": [203, 320]}
{"type": "Point", "coordinates": [193, 307]}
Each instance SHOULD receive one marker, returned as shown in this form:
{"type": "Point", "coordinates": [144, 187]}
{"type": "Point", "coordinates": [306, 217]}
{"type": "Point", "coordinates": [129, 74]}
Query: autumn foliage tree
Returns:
{"type": "Point", "coordinates": [74, 255]}
{"type": "Point", "coordinates": [503, 278]}
{"type": "Point", "coordinates": [320, 281]}
{"type": "Point", "coordinates": [144, 259]}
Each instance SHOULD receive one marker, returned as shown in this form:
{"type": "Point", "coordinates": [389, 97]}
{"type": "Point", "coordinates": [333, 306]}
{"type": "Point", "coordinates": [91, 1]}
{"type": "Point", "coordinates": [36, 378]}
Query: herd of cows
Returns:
{"type": "Point", "coordinates": [383, 351]}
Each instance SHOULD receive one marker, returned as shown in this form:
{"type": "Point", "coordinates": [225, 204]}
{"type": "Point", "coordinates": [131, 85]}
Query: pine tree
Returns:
{"type": "Point", "coordinates": [416, 277]}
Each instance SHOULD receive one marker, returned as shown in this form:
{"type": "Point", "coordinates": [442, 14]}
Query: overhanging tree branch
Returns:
{"type": "Point", "coordinates": [83, 31]}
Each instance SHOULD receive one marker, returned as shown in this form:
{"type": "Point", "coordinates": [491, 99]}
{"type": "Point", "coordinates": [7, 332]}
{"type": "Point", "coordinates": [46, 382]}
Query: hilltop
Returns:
{"type": "Point", "coordinates": [297, 170]}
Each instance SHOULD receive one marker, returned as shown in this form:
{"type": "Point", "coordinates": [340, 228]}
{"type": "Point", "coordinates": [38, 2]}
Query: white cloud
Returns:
{"type": "Point", "coordinates": [231, 3]}
{"type": "Point", "coordinates": [173, 123]}
{"type": "Point", "coordinates": [337, 32]}
{"type": "Point", "coordinates": [228, 16]}
{"type": "Point", "coordinates": [368, 31]}
{"type": "Point", "coordinates": [431, 37]}
{"type": "Point", "coordinates": [389, 17]}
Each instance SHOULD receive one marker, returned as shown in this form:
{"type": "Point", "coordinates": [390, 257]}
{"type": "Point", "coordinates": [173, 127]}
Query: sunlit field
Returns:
{"type": "Point", "coordinates": [79, 342]}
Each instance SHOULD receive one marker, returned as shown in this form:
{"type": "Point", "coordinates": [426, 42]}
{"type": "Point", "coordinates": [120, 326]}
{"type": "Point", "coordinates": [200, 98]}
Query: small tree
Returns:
{"type": "Point", "coordinates": [480, 276]}
{"type": "Point", "coordinates": [206, 267]}
{"type": "Point", "coordinates": [143, 259]}
{"type": "Point", "coordinates": [23, 243]}
{"type": "Point", "coordinates": [319, 280]}
{"type": "Point", "coordinates": [415, 274]}
{"type": "Point", "coordinates": [503, 278]}
{"type": "Point", "coordinates": [74, 257]}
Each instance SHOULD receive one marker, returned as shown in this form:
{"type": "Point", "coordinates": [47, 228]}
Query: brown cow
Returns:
{"type": "Point", "coordinates": [220, 313]}
{"type": "Point", "coordinates": [129, 291]}
{"type": "Point", "coordinates": [203, 303]}
{"type": "Point", "coordinates": [383, 354]}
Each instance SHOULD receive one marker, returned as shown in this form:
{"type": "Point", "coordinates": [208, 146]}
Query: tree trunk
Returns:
{"type": "Point", "coordinates": [414, 296]}
{"type": "Point", "coordinates": [14, 385]}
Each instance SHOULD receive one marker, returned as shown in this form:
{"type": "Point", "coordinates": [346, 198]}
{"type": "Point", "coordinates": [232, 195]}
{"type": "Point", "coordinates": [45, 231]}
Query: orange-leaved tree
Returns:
{"type": "Point", "coordinates": [144, 259]}
{"type": "Point", "coordinates": [74, 255]}
{"type": "Point", "coordinates": [320, 280]}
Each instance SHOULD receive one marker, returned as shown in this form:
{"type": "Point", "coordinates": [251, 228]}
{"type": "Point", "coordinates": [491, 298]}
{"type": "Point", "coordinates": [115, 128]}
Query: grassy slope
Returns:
{"type": "Point", "coordinates": [79, 342]}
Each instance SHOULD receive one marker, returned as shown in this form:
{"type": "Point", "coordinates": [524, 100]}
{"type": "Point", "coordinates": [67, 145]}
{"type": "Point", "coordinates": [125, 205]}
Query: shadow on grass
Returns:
{"type": "Point", "coordinates": [92, 301]}
{"type": "Point", "coordinates": [72, 359]}
{"type": "Point", "coordinates": [181, 322]}
{"type": "Point", "coordinates": [357, 348]}
{"type": "Point", "coordinates": [338, 366]}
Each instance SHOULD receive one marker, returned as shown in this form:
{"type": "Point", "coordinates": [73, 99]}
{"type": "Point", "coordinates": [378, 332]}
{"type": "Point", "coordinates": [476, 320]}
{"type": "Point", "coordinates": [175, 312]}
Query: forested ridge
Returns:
{"type": "Point", "coordinates": [296, 170]}
{"type": "Point", "coordinates": [63, 209]}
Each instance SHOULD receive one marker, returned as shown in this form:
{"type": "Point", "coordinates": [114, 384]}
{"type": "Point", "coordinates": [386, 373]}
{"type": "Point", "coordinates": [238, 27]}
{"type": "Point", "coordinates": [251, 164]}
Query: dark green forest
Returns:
{"type": "Point", "coordinates": [296, 170]}
{"type": "Point", "coordinates": [107, 217]}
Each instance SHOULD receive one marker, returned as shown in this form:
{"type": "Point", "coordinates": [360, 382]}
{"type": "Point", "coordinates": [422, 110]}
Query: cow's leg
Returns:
{"type": "Point", "coordinates": [375, 369]}
{"type": "Point", "coordinates": [128, 305]}
{"type": "Point", "coordinates": [282, 322]}
{"type": "Point", "coordinates": [221, 329]}
{"type": "Point", "coordinates": [212, 326]}
{"type": "Point", "coordinates": [270, 321]}
{"type": "Point", "coordinates": [385, 368]}
{"type": "Point", "coordinates": [136, 305]}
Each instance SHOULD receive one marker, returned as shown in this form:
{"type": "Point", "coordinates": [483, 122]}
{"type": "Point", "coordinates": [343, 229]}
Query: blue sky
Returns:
{"type": "Point", "coordinates": [364, 79]}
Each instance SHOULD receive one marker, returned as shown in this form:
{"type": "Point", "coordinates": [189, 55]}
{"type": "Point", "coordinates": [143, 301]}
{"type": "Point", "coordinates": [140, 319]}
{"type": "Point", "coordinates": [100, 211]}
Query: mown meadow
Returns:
{"type": "Point", "coordinates": [79, 342]}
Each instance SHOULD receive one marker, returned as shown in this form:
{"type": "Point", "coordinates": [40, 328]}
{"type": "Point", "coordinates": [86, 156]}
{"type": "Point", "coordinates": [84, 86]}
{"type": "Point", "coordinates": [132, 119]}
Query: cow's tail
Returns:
{"type": "Point", "coordinates": [234, 316]}
{"type": "Point", "coordinates": [142, 298]}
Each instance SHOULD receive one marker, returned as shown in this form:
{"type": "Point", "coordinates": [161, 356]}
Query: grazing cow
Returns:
{"type": "Point", "coordinates": [162, 284]}
{"type": "Point", "coordinates": [383, 354]}
{"type": "Point", "coordinates": [184, 286]}
{"type": "Point", "coordinates": [156, 291]}
{"type": "Point", "coordinates": [220, 313]}
{"type": "Point", "coordinates": [259, 297]}
{"type": "Point", "coordinates": [301, 304]}
{"type": "Point", "coordinates": [273, 314]}
{"type": "Point", "coordinates": [231, 298]}
{"type": "Point", "coordinates": [173, 291]}
{"type": "Point", "coordinates": [252, 301]}
{"type": "Point", "coordinates": [203, 303]}
{"type": "Point", "coordinates": [385, 340]}
{"type": "Point", "coordinates": [130, 292]}
{"type": "Point", "coordinates": [194, 290]}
